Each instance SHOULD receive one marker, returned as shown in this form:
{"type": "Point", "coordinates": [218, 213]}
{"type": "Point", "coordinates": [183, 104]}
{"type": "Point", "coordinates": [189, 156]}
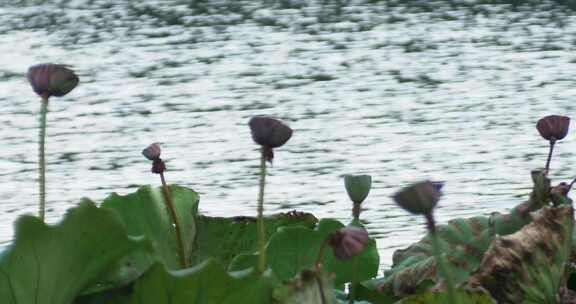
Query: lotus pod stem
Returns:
{"type": "Point", "coordinates": [356, 208]}
{"type": "Point", "coordinates": [42, 158]}
{"type": "Point", "coordinates": [261, 227]}
{"type": "Point", "coordinates": [175, 223]}
{"type": "Point", "coordinates": [552, 142]}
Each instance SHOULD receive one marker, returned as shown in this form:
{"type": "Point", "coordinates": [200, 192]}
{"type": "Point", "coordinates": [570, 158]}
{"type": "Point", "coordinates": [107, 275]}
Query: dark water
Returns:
{"type": "Point", "coordinates": [424, 89]}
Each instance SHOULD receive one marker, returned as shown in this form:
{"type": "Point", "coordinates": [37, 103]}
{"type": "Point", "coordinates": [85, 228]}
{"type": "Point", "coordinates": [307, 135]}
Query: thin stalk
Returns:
{"type": "Point", "coordinates": [320, 255]}
{"type": "Point", "coordinates": [571, 184]}
{"type": "Point", "coordinates": [354, 283]}
{"type": "Point", "coordinates": [356, 212]}
{"type": "Point", "coordinates": [175, 223]}
{"type": "Point", "coordinates": [42, 159]}
{"type": "Point", "coordinates": [442, 266]}
{"type": "Point", "coordinates": [261, 228]}
{"type": "Point", "coordinates": [492, 223]}
{"type": "Point", "coordinates": [552, 142]}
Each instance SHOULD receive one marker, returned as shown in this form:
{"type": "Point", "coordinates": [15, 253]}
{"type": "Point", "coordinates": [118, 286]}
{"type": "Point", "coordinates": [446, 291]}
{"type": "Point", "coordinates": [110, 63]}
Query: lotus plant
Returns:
{"type": "Point", "coordinates": [269, 133]}
{"type": "Point", "coordinates": [48, 80]}
{"type": "Point", "coordinates": [421, 198]}
{"type": "Point", "coordinates": [552, 128]}
{"type": "Point", "coordinates": [152, 152]}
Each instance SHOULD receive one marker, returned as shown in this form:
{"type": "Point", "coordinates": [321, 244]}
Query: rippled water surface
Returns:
{"type": "Point", "coordinates": [423, 89]}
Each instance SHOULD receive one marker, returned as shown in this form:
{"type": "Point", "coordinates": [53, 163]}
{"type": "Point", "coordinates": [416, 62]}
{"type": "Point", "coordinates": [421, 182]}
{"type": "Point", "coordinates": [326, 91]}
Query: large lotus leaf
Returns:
{"type": "Point", "coordinates": [463, 242]}
{"type": "Point", "coordinates": [368, 291]}
{"type": "Point", "coordinates": [109, 296]}
{"type": "Point", "coordinates": [124, 271]}
{"type": "Point", "coordinates": [205, 283]}
{"type": "Point", "coordinates": [224, 238]}
{"type": "Point", "coordinates": [462, 297]}
{"type": "Point", "coordinates": [342, 298]}
{"type": "Point", "coordinates": [308, 287]}
{"type": "Point", "coordinates": [529, 266]}
{"type": "Point", "coordinates": [53, 264]}
{"type": "Point", "coordinates": [292, 249]}
{"type": "Point", "coordinates": [145, 214]}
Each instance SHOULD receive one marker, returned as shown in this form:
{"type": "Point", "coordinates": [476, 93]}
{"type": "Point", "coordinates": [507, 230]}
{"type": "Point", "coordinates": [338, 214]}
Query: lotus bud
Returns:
{"type": "Point", "coordinates": [152, 152]}
{"type": "Point", "coordinates": [553, 127]}
{"type": "Point", "coordinates": [358, 187]}
{"type": "Point", "coordinates": [348, 242]}
{"type": "Point", "coordinates": [419, 198]}
{"type": "Point", "coordinates": [52, 79]}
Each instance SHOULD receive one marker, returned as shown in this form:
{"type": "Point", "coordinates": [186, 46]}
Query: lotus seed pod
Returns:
{"type": "Point", "coordinates": [419, 198]}
{"type": "Point", "coordinates": [553, 127]}
{"type": "Point", "coordinates": [152, 152]}
{"type": "Point", "coordinates": [348, 242]}
{"type": "Point", "coordinates": [358, 187]}
{"type": "Point", "coordinates": [52, 79]}
{"type": "Point", "coordinates": [269, 132]}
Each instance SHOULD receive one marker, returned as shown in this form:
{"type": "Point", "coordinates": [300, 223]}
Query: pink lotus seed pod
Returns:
{"type": "Point", "coordinates": [553, 127]}
{"type": "Point", "coordinates": [348, 242]}
{"type": "Point", "coordinates": [52, 79]}
{"type": "Point", "coordinates": [152, 152]}
{"type": "Point", "coordinates": [269, 132]}
{"type": "Point", "coordinates": [419, 198]}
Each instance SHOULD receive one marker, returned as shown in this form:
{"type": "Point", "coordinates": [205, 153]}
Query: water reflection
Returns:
{"type": "Point", "coordinates": [401, 90]}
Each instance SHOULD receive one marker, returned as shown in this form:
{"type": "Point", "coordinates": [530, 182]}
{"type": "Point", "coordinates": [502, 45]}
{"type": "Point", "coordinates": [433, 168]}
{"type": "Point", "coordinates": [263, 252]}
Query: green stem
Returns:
{"type": "Point", "coordinates": [552, 142]}
{"type": "Point", "coordinates": [320, 255]}
{"type": "Point", "coordinates": [42, 158]}
{"type": "Point", "coordinates": [356, 212]}
{"type": "Point", "coordinates": [440, 262]}
{"type": "Point", "coordinates": [175, 223]}
{"type": "Point", "coordinates": [261, 228]}
{"type": "Point", "coordinates": [318, 271]}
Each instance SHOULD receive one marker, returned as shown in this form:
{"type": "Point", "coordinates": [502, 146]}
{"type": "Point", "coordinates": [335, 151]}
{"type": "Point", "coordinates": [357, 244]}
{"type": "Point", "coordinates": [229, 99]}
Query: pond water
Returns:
{"type": "Point", "coordinates": [401, 90]}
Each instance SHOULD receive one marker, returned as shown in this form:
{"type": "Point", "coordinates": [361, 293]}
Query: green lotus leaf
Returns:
{"type": "Point", "coordinates": [463, 242]}
{"type": "Point", "coordinates": [144, 214]}
{"type": "Point", "coordinates": [368, 291]}
{"type": "Point", "coordinates": [292, 249]}
{"type": "Point", "coordinates": [109, 296]}
{"type": "Point", "coordinates": [308, 287]}
{"type": "Point", "coordinates": [342, 298]}
{"type": "Point", "coordinates": [54, 264]}
{"type": "Point", "coordinates": [462, 297]}
{"type": "Point", "coordinates": [224, 238]}
{"type": "Point", "coordinates": [205, 283]}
